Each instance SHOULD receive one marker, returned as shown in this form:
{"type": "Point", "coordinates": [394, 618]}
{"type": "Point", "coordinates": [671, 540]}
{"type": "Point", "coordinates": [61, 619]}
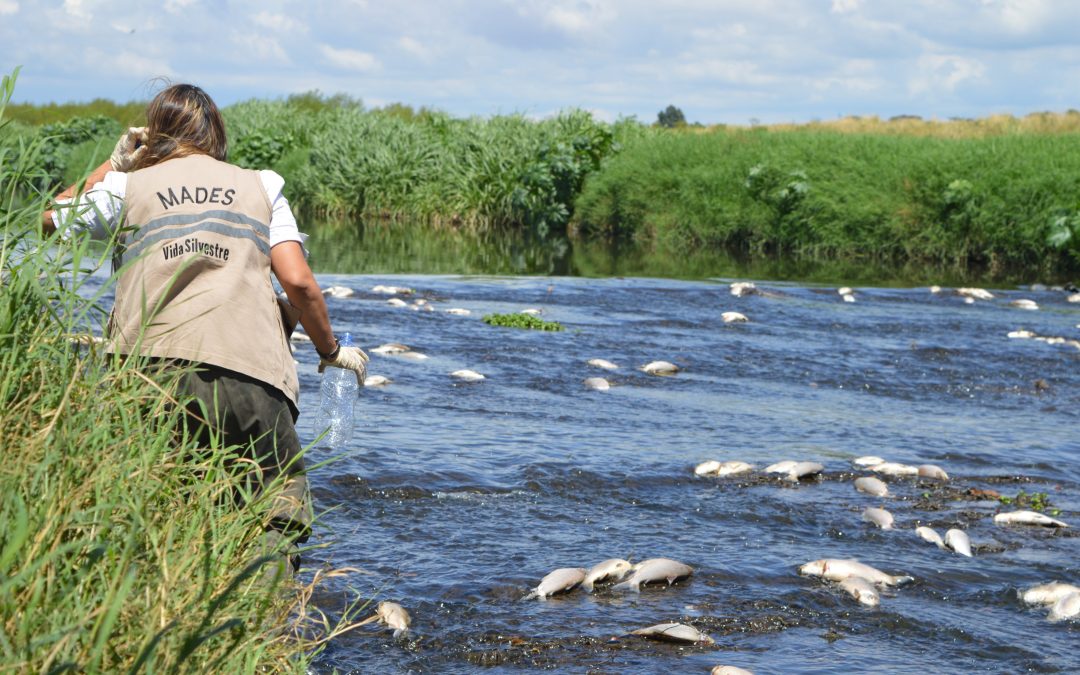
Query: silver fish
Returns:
{"type": "Point", "coordinates": [781, 467]}
{"type": "Point", "coordinates": [895, 469]}
{"type": "Point", "coordinates": [674, 632]}
{"type": "Point", "coordinates": [932, 471]}
{"type": "Point", "coordinates": [879, 517]}
{"type": "Point", "coordinates": [1027, 518]}
{"type": "Point", "coordinates": [872, 486]}
{"type": "Point", "coordinates": [655, 569]}
{"type": "Point", "coordinates": [612, 569]}
{"type": "Point", "coordinates": [660, 368]}
{"type": "Point", "coordinates": [1048, 594]}
{"type": "Point", "coordinates": [804, 470]}
{"type": "Point", "coordinates": [558, 581]}
{"type": "Point", "coordinates": [930, 535]}
{"type": "Point", "coordinates": [1065, 608]}
{"type": "Point", "coordinates": [862, 590]}
{"type": "Point", "coordinates": [834, 569]}
{"type": "Point", "coordinates": [958, 541]}
{"type": "Point", "coordinates": [729, 670]}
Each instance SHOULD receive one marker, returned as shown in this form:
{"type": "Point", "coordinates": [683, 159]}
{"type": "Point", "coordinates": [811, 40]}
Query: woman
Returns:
{"type": "Point", "coordinates": [196, 240]}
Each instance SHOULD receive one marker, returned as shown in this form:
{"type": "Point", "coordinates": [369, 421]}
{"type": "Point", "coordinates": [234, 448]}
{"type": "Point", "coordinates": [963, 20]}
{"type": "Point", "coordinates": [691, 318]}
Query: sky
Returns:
{"type": "Point", "coordinates": [719, 61]}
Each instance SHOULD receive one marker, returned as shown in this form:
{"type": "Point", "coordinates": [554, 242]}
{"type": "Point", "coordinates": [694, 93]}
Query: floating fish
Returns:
{"type": "Point", "coordinates": [958, 541]}
{"type": "Point", "coordinates": [975, 293]}
{"type": "Point", "coordinates": [391, 290]}
{"type": "Point", "coordinates": [867, 460]}
{"type": "Point", "coordinates": [559, 581]}
{"type": "Point", "coordinates": [390, 348]}
{"type": "Point", "coordinates": [872, 486]}
{"type": "Point", "coordinates": [930, 535]}
{"type": "Point", "coordinates": [729, 670]}
{"type": "Point", "coordinates": [1027, 518]}
{"type": "Point", "coordinates": [862, 590]}
{"type": "Point", "coordinates": [781, 467]}
{"type": "Point", "coordinates": [707, 467]}
{"type": "Point", "coordinates": [601, 363]}
{"type": "Point", "coordinates": [655, 569]}
{"type": "Point", "coordinates": [376, 381]}
{"type": "Point", "coordinates": [894, 469]}
{"type": "Point", "coordinates": [833, 569]}
{"type": "Point", "coordinates": [674, 632]}
{"type": "Point", "coordinates": [1024, 303]}
{"type": "Point", "coordinates": [613, 569]}
{"type": "Point", "coordinates": [467, 375]}
{"type": "Point", "coordinates": [458, 311]}
{"type": "Point", "coordinates": [849, 298]}
{"type": "Point", "coordinates": [339, 292]}
{"type": "Point", "coordinates": [1065, 608]}
{"type": "Point", "coordinates": [741, 288]}
{"type": "Point", "coordinates": [393, 615]}
{"type": "Point", "coordinates": [396, 302]}
{"type": "Point", "coordinates": [879, 517]}
{"type": "Point", "coordinates": [660, 368]}
{"type": "Point", "coordinates": [413, 356]}
{"type": "Point", "coordinates": [1049, 593]}
{"type": "Point", "coordinates": [932, 471]}
{"type": "Point", "coordinates": [803, 470]}
{"type": "Point", "coordinates": [734, 317]}
{"type": "Point", "coordinates": [597, 383]}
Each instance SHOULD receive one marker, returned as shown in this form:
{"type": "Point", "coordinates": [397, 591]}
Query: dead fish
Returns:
{"type": "Point", "coordinates": [338, 292]}
{"type": "Point", "coordinates": [834, 569]}
{"type": "Point", "coordinates": [729, 670]}
{"type": "Point", "coordinates": [413, 356]}
{"type": "Point", "coordinates": [879, 517]}
{"type": "Point", "coordinates": [1021, 334]}
{"type": "Point", "coordinates": [734, 317]}
{"type": "Point", "coordinates": [612, 569]}
{"type": "Point", "coordinates": [872, 486]}
{"type": "Point", "coordinates": [862, 590]}
{"type": "Point", "coordinates": [845, 290]}
{"type": "Point", "coordinates": [848, 298]}
{"type": "Point", "coordinates": [867, 460]}
{"type": "Point", "coordinates": [674, 632]}
{"type": "Point", "coordinates": [559, 581]}
{"type": "Point", "coordinates": [803, 470]}
{"type": "Point", "coordinates": [602, 363]}
{"type": "Point", "coordinates": [1024, 303]}
{"type": "Point", "coordinates": [935, 289]}
{"type": "Point", "coordinates": [391, 290]}
{"type": "Point", "coordinates": [1027, 518]}
{"type": "Point", "coordinates": [733, 467]}
{"type": "Point", "coordinates": [299, 336]}
{"type": "Point", "coordinates": [975, 293]}
{"type": "Point", "coordinates": [958, 541]}
{"type": "Point", "coordinates": [376, 381]}
{"type": "Point", "coordinates": [930, 535]}
{"type": "Point", "coordinates": [655, 569]}
{"type": "Point", "coordinates": [396, 302]}
{"type": "Point", "coordinates": [932, 471]}
{"type": "Point", "coordinates": [1065, 608]}
{"type": "Point", "coordinates": [467, 375]}
{"type": "Point", "coordinates": [597, 383]}
{"type": "Point", "coordinates": [532, 311]}
{"type": "Point", "coordinates": [458, 311]}
{"type": "Point", "coordinates": [390, 348]}
{"type": "Point", "coordinates": [741, 288]}
{"type": "Point", "coordinates": [660, 368]}
{"type": "Point", "coordinates": [707, 467]}
{"type": "Point", "coordinates": [1048, 594]}
{"type": "Point", "coordinates": [895, 469]}
{"type": "Point", "coordinates": [781, 467]}
{"type": "Point", "coordinates": [393, 615]}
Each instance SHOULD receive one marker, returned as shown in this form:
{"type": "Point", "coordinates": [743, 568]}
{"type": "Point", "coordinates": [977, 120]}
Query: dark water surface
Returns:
{"type": "Point", "coordinates": [456, 498]}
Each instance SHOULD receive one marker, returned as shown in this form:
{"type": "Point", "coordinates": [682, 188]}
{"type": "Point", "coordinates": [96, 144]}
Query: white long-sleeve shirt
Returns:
{"type": "Point", "coordinates": [97, 211]}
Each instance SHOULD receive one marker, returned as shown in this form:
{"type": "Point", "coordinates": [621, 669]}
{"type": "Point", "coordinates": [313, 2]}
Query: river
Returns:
{"type": "Point", "coordinates": [455, 498]}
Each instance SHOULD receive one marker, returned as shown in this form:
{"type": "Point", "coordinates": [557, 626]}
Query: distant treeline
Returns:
{"type": "Point", "coordinates": [997, 192]}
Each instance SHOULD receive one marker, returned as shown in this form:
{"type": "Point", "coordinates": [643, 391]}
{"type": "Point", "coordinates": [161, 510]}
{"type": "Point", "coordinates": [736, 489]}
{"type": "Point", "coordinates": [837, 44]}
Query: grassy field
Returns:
{"type": "Point", "coordinates": [988, 194]}
{"type": "Point", "coordinates": [121, 548]}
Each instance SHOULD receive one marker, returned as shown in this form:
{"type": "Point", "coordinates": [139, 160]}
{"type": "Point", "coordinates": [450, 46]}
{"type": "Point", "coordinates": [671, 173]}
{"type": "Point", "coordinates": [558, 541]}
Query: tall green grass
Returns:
{"type": "Point", "coordinates": [986, 202]}
{"type": "Point", "coordinates": [121, 549]}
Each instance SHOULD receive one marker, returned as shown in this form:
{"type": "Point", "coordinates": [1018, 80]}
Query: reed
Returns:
{"type": "Point", "coordinates": [121, 548]}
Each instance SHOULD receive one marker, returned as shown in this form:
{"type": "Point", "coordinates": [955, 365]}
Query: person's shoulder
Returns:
{"type": "Point", "coordinates": [272, 181]}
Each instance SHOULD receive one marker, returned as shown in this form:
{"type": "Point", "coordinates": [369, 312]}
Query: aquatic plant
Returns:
{"type": "Point", "coordinates": [521, 320]}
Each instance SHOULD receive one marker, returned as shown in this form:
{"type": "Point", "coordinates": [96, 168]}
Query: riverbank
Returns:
{"type": "Point", "coordinates": [987, 197]}
{"type": "Point", "coordinates": [121, 549]}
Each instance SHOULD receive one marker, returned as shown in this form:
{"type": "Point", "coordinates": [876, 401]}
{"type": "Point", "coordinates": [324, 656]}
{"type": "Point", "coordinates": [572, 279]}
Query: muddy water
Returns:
{"type": "Point", "coordinates": [454, 499]}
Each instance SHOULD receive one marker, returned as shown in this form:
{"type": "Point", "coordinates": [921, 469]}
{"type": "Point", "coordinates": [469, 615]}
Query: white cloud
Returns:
{"type": "Point", "coordinates": [75, 9]}
{"type": "Point", "coordinates": [844, 6]}
{"type": "Point", "coordinates": [178, 6]}
{"type": "Point", "coordinates": [944, 73]}
{"type": "Point", "coordinates": [279, 23]}
{"type": "Point", "coordinates": [130, 64]}
{"type": "Point", "coordinates": [350, 59]}
{"type": "Point", "coordinates": [260, 46]}
{"type": "Point", "coordinates": [414, 47]}
{"type": "Point", "coordinates": [8, 7]}
{"type": "Point", "coordinates": [728, 72]}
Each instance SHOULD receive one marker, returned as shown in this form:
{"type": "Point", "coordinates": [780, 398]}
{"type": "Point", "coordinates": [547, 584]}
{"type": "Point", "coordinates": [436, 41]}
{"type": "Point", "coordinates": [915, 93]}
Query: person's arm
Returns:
{"type": "Point", "coordinates": [291, 269]}
{"type": "Point", "coordinates": [48, 224]}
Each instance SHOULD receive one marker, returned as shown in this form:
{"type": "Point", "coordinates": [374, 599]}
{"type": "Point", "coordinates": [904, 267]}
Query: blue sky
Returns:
{"type": "Point", "coordinates": [720, 61]}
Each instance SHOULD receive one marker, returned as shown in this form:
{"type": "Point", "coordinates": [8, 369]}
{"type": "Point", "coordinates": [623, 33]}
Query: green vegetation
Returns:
{"type": "Point", "coordinates": [1036, 501]}
{"type": "Point", "coordinates": [121, 550]}
{"type": "Point", "coordinates": [971, 202]}
{"type": "Point", "coordinates": [521, 320]}
{"type": "Point", "coordinates": [988, 196]}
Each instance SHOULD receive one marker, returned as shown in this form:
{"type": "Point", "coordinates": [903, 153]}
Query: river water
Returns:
{"type": "Point", "coordinates": [455, 498]}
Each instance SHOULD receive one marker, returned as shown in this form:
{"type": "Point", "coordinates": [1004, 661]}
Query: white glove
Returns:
{"type": "Point", "coordinates": [349, 358]}
{"type": "Point", "coordinates": [129, 148]}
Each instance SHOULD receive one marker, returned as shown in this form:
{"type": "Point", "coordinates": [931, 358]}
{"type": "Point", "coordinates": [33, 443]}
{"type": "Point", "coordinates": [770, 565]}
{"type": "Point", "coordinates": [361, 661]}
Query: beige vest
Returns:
{"type": "Point", "coordinates": [195, 271]}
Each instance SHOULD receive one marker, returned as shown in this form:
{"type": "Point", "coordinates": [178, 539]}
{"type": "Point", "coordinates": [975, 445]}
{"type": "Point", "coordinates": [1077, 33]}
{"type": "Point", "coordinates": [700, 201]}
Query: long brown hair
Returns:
{"type": "Point", "coordinates": [183, 120]}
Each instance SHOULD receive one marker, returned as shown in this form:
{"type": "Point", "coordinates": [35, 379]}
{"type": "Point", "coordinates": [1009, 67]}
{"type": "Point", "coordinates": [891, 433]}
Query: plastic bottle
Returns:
{"type": "Point", "coordinates": [339, 393]}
